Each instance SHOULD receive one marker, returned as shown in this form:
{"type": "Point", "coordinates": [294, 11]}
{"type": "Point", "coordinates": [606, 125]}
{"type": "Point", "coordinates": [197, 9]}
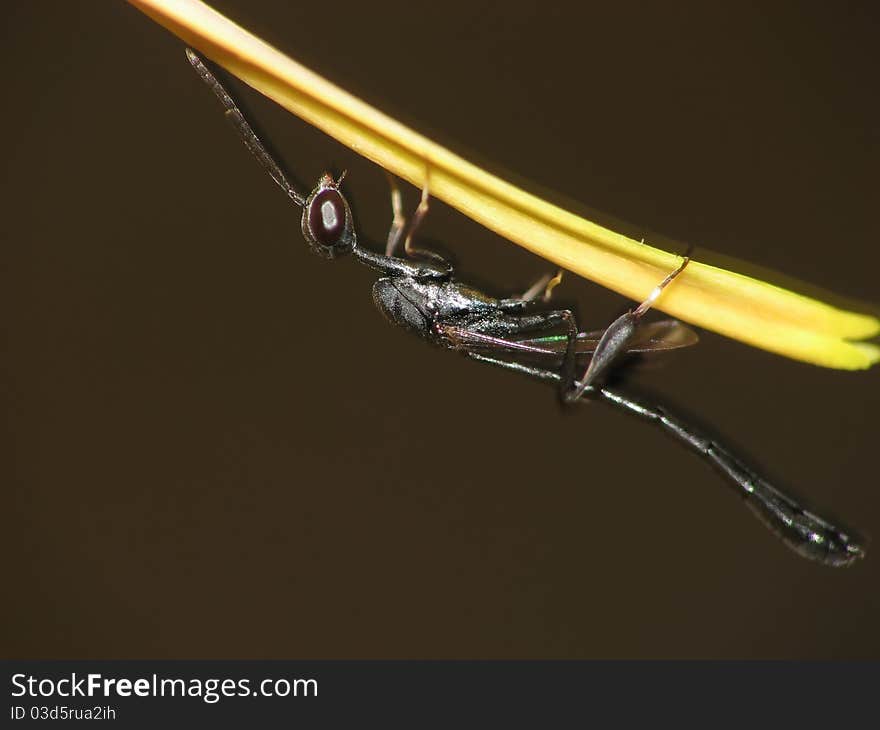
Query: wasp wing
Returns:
{"type": "Point", "coordinates": [660, 336]}
{"type": "Point", "coordinates": [667, 334]}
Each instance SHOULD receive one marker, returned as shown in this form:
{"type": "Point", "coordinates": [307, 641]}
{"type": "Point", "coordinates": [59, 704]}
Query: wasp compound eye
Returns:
{"type": "Point", "coordinates": [327, 223]}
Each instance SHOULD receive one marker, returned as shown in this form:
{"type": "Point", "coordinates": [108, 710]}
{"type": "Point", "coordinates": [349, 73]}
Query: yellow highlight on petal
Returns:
{"type": "Point", "coordinates": [738, 306]}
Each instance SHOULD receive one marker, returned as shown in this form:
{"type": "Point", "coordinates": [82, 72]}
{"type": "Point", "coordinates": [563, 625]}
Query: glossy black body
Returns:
{"type": "Point", "coordinates": [421, 295]}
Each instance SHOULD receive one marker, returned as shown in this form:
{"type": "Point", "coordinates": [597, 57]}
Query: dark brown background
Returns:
{"type": "Point", "coordinates": [218, 447]}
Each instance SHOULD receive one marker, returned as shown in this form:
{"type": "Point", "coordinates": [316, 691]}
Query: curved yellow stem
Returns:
{"type": "Point", "coordinates": [732, 304]}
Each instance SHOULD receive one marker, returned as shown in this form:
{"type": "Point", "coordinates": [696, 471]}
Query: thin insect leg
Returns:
{"type": "Point", "coordinates": [245, 131]}
{"type": "Point", "coordinates": [569, 359]}
{"type": "Point", "coordinates": [616, 339]}
{"type": "Point", "coordinates": [491, 335]}
{"type": "Point", "coordinates": [658, 290]}
{"type": "Point", "coordinates": [462, 334]}
{"type": "Point", "coordinates": [547, 320]}
{"type": "Point", "coordinates": [418, 217]}
{"type": "Point", "coordinates": [539, 373]}
{"type": "Point", "coordinates": [493, 332]}
{"type": "Point", "coordinates": [398, 222]}
{"type": "Point", "coordinates": [804, 532]}
{"type": "Point", "coordinates": [543, 287]}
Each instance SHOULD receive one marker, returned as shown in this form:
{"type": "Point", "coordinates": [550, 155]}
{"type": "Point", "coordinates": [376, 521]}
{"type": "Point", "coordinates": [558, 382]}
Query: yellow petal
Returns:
{"type": "Point", "coordinates": [732, 304]}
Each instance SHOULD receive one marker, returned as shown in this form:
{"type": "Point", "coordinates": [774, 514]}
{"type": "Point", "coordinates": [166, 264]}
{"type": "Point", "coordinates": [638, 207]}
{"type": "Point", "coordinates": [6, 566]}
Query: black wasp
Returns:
{"type": "Point", "coordinates": [418, 291]}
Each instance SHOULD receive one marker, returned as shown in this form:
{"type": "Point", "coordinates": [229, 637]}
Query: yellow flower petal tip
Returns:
{"type": "Point", "coordinates": [870, 353]}
{"type": "Point", "coordinates": [738, 306]}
